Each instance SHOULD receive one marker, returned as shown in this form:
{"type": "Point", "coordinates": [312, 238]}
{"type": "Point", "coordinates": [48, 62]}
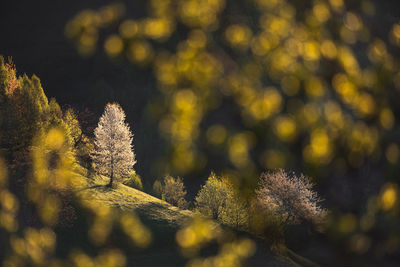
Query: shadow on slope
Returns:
{"type": "Point", "coordinates": [164, 220]}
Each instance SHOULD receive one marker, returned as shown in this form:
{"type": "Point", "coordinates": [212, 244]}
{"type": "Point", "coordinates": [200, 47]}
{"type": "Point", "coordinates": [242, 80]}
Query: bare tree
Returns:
{"type": "Point", "coordinates": [290, 197]}
{"type": "Point", "coordinates": [113, 153]}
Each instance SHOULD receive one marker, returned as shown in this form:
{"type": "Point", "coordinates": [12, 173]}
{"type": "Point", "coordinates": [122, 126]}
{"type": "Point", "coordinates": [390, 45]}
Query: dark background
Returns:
{"type": "Point", "coordinates": [32, 32]}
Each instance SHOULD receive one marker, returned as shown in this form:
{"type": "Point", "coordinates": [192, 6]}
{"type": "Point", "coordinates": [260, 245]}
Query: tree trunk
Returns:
{"type": "Point", "coordinates": [112, 173]}
{"type": "Point", "coordinates": [111, 180]}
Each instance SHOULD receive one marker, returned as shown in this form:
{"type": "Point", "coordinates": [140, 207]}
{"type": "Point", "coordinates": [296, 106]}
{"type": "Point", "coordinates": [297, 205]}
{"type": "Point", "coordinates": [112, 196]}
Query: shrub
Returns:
{"type": "Point", "coordinates": [174, 192]}
{"type": "Point", "coordinates": [157, 189]}
{"type": "Point", "coordinates": [134, 181]}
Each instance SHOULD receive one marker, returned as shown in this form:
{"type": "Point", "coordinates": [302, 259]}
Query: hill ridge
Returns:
{"type": "Point", "coordinates": [164, 220]}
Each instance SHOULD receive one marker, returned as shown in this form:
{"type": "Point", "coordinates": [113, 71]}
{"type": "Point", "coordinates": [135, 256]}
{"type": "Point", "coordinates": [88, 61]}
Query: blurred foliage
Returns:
{"type": "Point", "coordinates": [107, 236]}
{"type": "Point", "coordinates": [37, 239]}
{"type": "Point", "coordinates": [26, 112]}
{"type": "Point", "coordinates": [42, 145]}
{"type": "Point", "coordinates": [299, 84]}
{"type": "Point", "coordinates": [201, 232]}
{"type": "Point", "coordinates": [267, 84]}
{"type": "Point", "coordinates": [309, 76]}
{"type": "Point", "coordinates": [44, 221]}
{"type": "Point", "coordinates": [24, 108]}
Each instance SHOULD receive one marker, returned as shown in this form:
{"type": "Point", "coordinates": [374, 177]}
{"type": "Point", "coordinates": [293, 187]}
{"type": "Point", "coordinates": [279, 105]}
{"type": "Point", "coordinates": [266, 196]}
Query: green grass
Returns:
{"type": "Point", "coordinates": [164, 220]}
{"type": "Point", "coordinates": [130, 199]}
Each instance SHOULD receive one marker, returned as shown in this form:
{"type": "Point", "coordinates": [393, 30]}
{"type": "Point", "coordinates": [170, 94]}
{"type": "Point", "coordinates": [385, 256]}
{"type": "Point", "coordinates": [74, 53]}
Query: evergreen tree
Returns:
{"type": "Point", "coordinates": [113, 153]}
{"type": "Point", "coordinates": [24, 107]}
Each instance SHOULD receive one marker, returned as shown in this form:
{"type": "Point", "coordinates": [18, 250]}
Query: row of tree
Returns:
{"type": "Point", "coordinates": [280, 199]}
{"type": "Point", "coordinates": [26, 112]}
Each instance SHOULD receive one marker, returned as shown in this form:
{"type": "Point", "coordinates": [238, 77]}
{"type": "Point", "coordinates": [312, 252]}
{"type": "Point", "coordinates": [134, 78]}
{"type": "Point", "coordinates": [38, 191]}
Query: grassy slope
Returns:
{"type": "Point", "coordinates": [164, 220]}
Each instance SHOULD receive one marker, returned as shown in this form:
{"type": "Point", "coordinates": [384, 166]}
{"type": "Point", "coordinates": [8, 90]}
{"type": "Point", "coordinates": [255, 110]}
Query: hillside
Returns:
{"type": "Point", "coordinates": [164, 220]}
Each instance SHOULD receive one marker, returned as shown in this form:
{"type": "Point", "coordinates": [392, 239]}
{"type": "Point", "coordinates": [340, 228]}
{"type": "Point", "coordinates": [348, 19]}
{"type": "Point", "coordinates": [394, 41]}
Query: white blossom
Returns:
{"type": "Point", "coordinates": [289, 196]}
{"type": "Point", "coordinates": [113, 154]}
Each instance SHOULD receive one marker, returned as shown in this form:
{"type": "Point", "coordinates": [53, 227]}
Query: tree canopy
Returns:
{"type": "Point", "coordinates": [113, 153]}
